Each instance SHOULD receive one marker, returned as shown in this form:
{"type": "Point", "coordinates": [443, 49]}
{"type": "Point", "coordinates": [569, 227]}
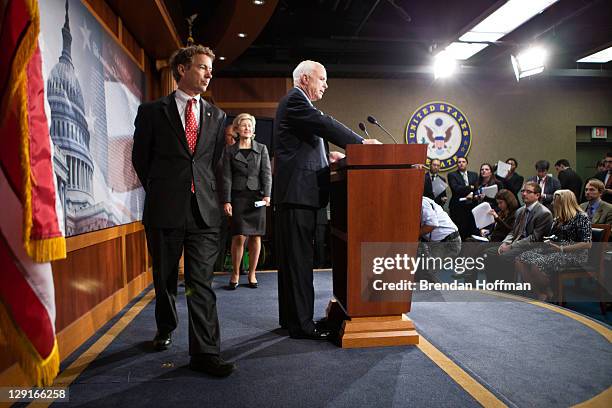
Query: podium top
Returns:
{"type": "Point", "coordinates": [383, 155]}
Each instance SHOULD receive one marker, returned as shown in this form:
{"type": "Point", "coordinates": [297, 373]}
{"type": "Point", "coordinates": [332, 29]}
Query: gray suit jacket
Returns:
{"type": "Point", "coordinates": [603, 215]}
{"type": "Point", "coordinates": [538, 226]}
{"type": "Point", "coordinates": [241, 174]}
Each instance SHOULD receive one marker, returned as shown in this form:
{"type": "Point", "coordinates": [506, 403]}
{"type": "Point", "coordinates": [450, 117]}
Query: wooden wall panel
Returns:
{"type": "Point", "coordinates": [135, 254]}
{"type": "Point", "coordinates": [130, 43]}
{"type": "Point", "coordinates": [85, 278]}
{"type": "Point", "coordinates": [248, 89]}
{"type": "Point", "coordinates": [106, 14]}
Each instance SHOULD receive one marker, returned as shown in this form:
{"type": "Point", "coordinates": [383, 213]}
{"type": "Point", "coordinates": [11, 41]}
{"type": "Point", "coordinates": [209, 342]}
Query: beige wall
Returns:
{"type": "Point", "coordinates": [530, 120]}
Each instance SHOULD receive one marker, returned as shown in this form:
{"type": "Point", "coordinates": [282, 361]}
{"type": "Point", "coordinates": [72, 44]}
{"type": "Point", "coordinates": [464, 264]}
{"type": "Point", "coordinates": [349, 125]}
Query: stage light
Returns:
{"type": "Point", "coordinates": [444, 65]}
{"type": "Point", "coordinates": [528, 62]}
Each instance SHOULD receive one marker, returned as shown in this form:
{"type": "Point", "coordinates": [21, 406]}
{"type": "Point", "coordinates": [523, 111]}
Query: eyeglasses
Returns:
{"type": "Point", "coordinates": [527, 191]}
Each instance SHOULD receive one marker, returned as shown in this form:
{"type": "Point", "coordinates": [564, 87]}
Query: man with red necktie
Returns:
{"type": "Point", "coordinates": [178, 141]}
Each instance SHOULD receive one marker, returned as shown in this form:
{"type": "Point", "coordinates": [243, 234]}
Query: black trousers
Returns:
{"type": "Point", "coordinates": [201, 246]}
{"type": "Point", "coordinates": [295, 230]}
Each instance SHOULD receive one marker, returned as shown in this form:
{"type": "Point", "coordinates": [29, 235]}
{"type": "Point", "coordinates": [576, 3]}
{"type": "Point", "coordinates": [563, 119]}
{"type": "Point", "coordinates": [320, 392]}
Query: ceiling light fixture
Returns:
{"type": "Point", "coordinates": [259, 2]}
{"type": "Point", "coordinates": [242, 35]}
{"type": "Point", "coordinates": [502, 21]}
{"type": "Point", "coordinates": [222, 58]}
{"type": "Point", "coordinates": [600, 57]}
{"type": "Point", "coordinates": [444, 65]}
{"type": "Point", "coordinates": [528, 62]}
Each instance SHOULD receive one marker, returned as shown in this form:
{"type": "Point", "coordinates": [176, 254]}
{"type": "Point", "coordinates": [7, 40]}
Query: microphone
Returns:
{"type": "Point", "coordinates": [363, 129]}
{"type": "Point", "coordinates": [373, 121]}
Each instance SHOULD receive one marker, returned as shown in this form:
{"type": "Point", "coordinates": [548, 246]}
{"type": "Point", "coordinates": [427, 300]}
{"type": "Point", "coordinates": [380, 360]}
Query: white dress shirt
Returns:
{"type": "Point", "coordinates": [181, 99]}
{"type": "Point", "coordinates": [434, 216]}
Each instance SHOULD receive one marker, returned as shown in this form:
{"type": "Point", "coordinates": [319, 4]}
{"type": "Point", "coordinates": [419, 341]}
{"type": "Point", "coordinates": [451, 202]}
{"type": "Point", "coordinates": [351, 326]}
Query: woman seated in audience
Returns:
{"type": "Point", "coordinates": [495, 233]}
{"type": "Point", "coordinates": [486, 179]}
{"type": "Point", "coordinates": [569, 243]}
{"type": "Point", "coordinates": [504, 218]}
{"type": "Point", "coordinates": [247, 180]}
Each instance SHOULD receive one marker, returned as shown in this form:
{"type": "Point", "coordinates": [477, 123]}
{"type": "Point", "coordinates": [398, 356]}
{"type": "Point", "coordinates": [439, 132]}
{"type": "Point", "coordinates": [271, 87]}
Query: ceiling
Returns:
{"type": "Point", "coordinates": [395, 38]}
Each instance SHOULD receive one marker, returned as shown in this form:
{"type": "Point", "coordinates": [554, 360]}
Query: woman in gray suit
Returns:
{"type": "Point", "coordinates": [247, 180]}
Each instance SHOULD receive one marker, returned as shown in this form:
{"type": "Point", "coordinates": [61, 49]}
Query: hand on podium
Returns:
{"type": "Point", "coordinates": [335, 156]}
{"type": "Point", "coordinates": [370, 141]}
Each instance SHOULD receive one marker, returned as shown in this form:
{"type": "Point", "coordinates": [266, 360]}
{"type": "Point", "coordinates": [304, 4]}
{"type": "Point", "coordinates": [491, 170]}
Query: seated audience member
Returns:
{"type": "Point", "coordinates": [598, 211]}
{"type": "Point", "coordinates": [532, 222]}
{"type": "Point", "coordinates": [606, 177]}
{"type": "Point", "coordinates": [504, 217]}
{"type": "Point", "coordinates": [496, 232]}
{"type": "Point", "coordinates": [600, 166]}
{"type": "Point", "coordinates": [462, 184]}
{"type": "Point", "coordinates": [486, 179]}
{"type": "Point", "coordinates": [568, 178]}
{"type": "Point", "coordinates": [430, 177]}
{"type": "Point", "coordinates": [513, 181]}
{"type": "Point", "coordinates": [548, 184]}
{"type": "Point", "coordinates": [569, 245]}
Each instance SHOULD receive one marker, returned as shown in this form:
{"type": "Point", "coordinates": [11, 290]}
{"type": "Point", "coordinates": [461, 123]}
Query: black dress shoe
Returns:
{"type": "Point", "coordinates": [253, 285]}
{"type": "Point", "coordinates": [162, 341]}
{"type": "Point", "coordinates": [211, 364]}
{"type": "Point", "coordinates": [317, 334]}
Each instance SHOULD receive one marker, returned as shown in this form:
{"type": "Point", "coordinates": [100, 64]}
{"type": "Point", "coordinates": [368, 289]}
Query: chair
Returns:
{"type": "Point", "coordinates": [594, 268]}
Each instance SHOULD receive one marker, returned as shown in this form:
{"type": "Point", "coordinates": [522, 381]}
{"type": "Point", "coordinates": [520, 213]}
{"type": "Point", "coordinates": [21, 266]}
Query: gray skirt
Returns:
{"type": "Point", "coordinates": [246, 219]}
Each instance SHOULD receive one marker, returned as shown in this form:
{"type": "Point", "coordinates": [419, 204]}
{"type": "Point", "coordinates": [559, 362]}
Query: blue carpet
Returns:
{"type": "Point", "coordinates": [526, 355]}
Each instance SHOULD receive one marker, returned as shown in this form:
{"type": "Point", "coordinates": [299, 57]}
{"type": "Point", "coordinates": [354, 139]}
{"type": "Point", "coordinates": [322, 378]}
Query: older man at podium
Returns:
{"type": "Point", "coordinates": [301, 187]}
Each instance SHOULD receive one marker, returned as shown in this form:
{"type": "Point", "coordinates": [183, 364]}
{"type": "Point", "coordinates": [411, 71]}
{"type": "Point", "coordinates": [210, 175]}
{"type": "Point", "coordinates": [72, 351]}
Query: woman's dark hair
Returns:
{"type": "Point", "coordinates": [492, 179]}
{"type": "Point", "coordinates": [510, 200]}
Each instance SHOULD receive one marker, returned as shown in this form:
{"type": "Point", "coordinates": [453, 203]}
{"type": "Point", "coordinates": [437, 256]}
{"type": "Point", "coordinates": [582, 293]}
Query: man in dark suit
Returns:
{"type": "Point", "coordinates": [513, 181]}
{"type": "Point", "coordinates": [430, 178]}
{"type": "Point", "coordinates": [178, 141]}
{"type": "Point", "coordinates": [606, 177]}
{"type": "Point", "coordinates": [548, 184]}
{"type": "Point", "coordinates": [533, 221]}
{"type": "Point", "coordinates": [462, 184]}
{"type": "Point", "coordinates": [301, 187]}
{"type": "Point", "coordinates": [568, 178]}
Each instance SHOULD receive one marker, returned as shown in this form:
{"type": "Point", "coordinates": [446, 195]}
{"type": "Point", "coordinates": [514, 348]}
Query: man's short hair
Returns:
{"type": "Point", "coordinates": [536, 187]}
{"type": "Point", "coordinates": [598, 184]}
{"type": "Point", "coordinates": [542, 165]}
{"type": "Point", "coordinates": [184, 56]}
{"type": "Point", "coordinates": [465, 158]}
{"type": "Point", "coordinates": [433, 160]}
{"type": "Point", "coordinates": [513, 159]}
{"type": "Point", "coordinates": [304, 67]}
{"type": "Point", "coordinates": [562, 162]}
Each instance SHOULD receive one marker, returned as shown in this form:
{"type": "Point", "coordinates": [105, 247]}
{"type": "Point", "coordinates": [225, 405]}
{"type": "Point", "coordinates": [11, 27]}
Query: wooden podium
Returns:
{"type": "Point", "coordinates": [375, 198]}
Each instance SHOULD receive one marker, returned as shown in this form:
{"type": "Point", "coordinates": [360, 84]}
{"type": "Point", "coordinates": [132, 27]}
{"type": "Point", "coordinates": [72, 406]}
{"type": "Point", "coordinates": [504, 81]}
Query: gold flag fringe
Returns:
{"type": "Point", "coordinates": [41, 371]}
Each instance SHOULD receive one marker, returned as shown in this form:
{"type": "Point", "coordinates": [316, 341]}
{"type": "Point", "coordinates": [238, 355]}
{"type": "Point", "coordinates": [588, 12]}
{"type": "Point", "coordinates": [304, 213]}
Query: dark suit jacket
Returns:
{"type": "Point", "coordinates": [538, 226]}
{"type": "Point", "coordinates": [514, 183]}
{"type": "Point", "coordinates": [571, 181]}
{"type": "Point", "coordinates": [428, 189]}
{"type": "Point", "coordinates": [165, 165]}
{"type": "Point", "coordinates": [603, 215]}
{"type": "Point", "coordinates": [551, 185]}
{"type": "Point", "coordinates": [240, 174]}
{"type": "Point", "coordinates": [607, 197]}
{"type": "Point", "coordinates": [300, 176]}
{"type": "Point", "coordinates": [458, 187]}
